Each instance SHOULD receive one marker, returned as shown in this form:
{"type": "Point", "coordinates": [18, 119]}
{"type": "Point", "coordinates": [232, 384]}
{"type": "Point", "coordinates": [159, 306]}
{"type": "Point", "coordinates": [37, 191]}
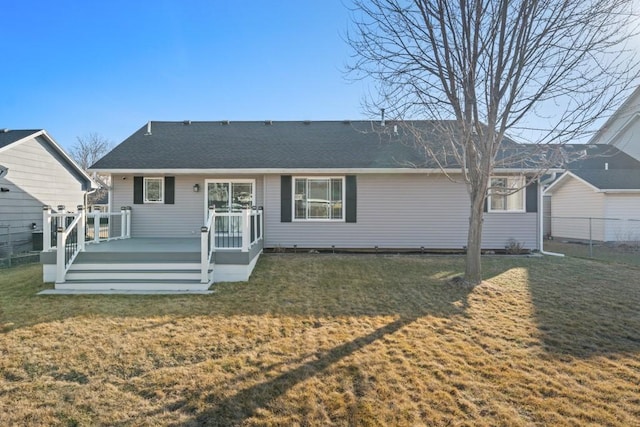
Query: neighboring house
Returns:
{"type": "Point", "coordinates": [37, 172]}
{"type": "Point", "coordinates": [622, 129]}
{"type": "Point", "coordinates": [598, 198]}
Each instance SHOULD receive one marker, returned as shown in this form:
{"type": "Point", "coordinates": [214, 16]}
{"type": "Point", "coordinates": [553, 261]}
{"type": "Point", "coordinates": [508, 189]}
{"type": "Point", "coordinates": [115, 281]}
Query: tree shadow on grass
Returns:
{"type": "Point", "coordinates": [584, 311]}
{"type": "Point", "coordinates": [242, 405]}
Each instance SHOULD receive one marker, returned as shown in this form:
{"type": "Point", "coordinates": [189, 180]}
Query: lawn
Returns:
{"type": "Point", "coordinates": [620, 253]}
{"type": "Point", "coordinates": [346, 340]}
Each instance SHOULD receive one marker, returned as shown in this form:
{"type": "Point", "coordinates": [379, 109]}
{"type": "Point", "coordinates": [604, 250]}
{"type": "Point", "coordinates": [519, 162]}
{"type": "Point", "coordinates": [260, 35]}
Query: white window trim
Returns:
{"type": "Point", "coordinates": [293, 199]}
{"type": "Point", "coordinates": [232, 181]}
{"type": "Point", "coordinates": [523, 209]}
{"type": "Point", "coordinates": [144, 189]}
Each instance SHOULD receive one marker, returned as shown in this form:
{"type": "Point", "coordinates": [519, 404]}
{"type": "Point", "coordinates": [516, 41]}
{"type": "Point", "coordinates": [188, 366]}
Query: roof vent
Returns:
{"type": "Point", "coordinates": [148, 128]}
{"type": "Point", "coordinates": [186, 122]}
{"type": "Point", "coordinates": [307, 122]}
{"type": "Point", "coordinates": [225, 122]}
{"type": "Point", "coordinates": [346, 122]}
{"type": "Point", "coordinates": [382, 117]}
{"type": "Point", "coordinates": [268, 122]}
{"type": "Point", "coordinates": [4, 130]}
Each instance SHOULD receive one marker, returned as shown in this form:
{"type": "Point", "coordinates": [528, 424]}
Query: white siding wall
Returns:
{"type": "Point", "coordinates": [399, 211]}
{"type": "Point", "coordinates": [625, 207]}
{"type": "Point", "coordinates": [36, 177]}
{"type": "Point", "coordinates": [628, 140]}
{"type": "Point", "coordinates": [182, 219]}
{"type": "Point", "coordinates": [571, 206]}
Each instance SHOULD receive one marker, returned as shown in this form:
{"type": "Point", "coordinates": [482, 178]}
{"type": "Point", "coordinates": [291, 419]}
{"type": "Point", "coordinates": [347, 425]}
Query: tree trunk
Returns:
{"type": "Point", "coordinates": [473, 269]}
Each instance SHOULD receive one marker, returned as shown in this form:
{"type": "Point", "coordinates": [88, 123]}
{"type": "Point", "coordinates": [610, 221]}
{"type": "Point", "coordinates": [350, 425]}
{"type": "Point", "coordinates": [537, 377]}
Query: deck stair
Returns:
{"type": "Point", "coordinates": [135, 271]}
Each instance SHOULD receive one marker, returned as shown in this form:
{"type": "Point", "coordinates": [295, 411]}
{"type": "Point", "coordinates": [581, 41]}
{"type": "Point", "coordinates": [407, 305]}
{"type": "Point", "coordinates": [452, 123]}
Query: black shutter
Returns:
{"type": "Point", "coordinates": [351, 198]}
{"type": "Point", "coordinates": [485, 209]}
{"type": "Point", "coordinates": [169, 190]}
{"type": "Point", "coordinates": [285, 198]}
{"type": "Point", "coordinates": [532, 197]}
{"type": "Point", "coordinates": [138, 197]}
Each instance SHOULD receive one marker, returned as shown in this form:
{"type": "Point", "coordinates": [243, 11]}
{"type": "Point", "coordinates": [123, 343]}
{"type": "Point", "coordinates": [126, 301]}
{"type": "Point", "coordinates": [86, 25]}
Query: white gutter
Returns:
{"type": "Point", "coordinates": [541, 215]}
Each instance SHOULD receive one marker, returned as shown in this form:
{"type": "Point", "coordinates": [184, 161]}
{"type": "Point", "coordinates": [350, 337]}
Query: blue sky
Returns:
{"type": "Point", "coordinates": [75, 67]}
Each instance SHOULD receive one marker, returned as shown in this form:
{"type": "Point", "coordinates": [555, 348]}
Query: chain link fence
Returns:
{"type": "Point", "coordinates": [608, 239]}
{"type": "Point", "coordinates": [18, 243]}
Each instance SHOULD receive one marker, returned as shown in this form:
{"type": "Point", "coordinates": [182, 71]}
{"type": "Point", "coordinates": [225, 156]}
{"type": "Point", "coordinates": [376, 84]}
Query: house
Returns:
{"type": "Point", "coordinates": [289, 185]}
{"type": "Point", "coordinates": [36, 171]}
{"type": "Point", "coordinates": [622, 129]}
{"type": "Point", "coordinates": [598, 198]}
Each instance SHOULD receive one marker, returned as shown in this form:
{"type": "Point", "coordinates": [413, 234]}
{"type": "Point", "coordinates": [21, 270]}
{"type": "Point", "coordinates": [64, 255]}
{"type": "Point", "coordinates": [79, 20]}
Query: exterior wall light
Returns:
{"type": "Point", "coordinates": [196, 188]}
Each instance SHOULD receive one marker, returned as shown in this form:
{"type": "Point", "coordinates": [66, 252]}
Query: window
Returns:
{"type": "Point", "coordinates": [506, 194]}
{"type": "Point", "coordinates": [318, 199]}
{"type": "Point", "coordinates": [154, 190]}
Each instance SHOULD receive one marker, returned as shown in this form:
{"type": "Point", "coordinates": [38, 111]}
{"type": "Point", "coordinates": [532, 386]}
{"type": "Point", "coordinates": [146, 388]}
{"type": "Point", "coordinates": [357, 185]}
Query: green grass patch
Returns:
{"type": "Point", "coordinates": [332, 340]}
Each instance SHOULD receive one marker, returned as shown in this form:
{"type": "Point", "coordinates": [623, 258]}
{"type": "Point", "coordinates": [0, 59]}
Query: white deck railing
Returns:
{"type": "Point", "coordinates": [98, 226]}
{"type": "Point", "coordinates": [68, 232]}
{"type": "Point", "coordinates": [229, 230]}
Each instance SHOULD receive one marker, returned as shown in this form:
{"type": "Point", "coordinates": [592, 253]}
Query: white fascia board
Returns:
{"type": "Point", "coordinates": [58, 149]}
{"type": "Point", "coordinates": [620, 191]}
{"type": "Point", "coordinates": [613, 117]}
{"type": "Point", "coordinates": [26, 138]}
{"type": "Point", "coordinates": [279, 171]}
{"type": "Point", "coordinates": [568, 175]}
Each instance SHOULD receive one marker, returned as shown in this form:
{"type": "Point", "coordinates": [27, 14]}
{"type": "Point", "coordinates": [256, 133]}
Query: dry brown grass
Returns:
{"type": "Point", "coordinates": [332, 340]}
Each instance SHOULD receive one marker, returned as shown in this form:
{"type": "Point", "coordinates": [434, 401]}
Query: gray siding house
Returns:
{"type": "Point", "coordinates": [35, 171]}
{"type": "Point", "coordinates": [326, 184]}
{"type": "Point", "coordinates": [193, 203]}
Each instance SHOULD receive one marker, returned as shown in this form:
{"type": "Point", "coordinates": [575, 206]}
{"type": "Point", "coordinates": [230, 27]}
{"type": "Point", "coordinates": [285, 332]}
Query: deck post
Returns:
{"type": "Point", "coordinates": [204, 255]}
{"type": "Point", "coordinates": [46, 227]}
{"type": "Point", "coordinates": [246, 229]}
{"type": "Point", "coordinates": [255, 224]}
{"type": "Point", "coordinates": [96, 226]}
{"type": "Point", "coordinates": [60, 252]}
{"type": "Point", "coordinates": [123, 222]}
{"type": "Point", "coordinates": [82, 227]}
{"type": "Point", "coordinates": [128, 222]}
{"type": "Point", "coordinates": [212, 241]}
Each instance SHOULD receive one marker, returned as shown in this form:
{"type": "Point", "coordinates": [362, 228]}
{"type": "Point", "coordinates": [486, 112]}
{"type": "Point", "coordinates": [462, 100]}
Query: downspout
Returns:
{"type": "Point", "coordinates": [541, 185]}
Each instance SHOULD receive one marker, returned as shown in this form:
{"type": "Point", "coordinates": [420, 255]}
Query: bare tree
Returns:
{"type": "Point", "coordinates": [89, 148]}
{"type": "Point", "coordinates": [546, 70]}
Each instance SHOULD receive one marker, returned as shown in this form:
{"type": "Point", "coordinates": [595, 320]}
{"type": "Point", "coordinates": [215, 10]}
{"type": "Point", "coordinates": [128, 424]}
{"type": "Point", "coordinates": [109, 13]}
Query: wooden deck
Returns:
{"type": "Point", "coordinates": [147, 245]}
{"type": "Point", "coordinates": [160, 263]}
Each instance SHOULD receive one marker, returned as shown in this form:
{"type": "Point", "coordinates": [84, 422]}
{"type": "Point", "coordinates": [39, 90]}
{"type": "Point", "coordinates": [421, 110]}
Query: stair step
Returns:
{"type": "Point", "coordinates": [76, 266]}
{"type": "Point", "coordinates": [117, 274]}
{"type": "Point", "coordinates": [138, 285]}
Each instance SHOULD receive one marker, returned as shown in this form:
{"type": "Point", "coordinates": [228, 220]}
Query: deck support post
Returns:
{"type": "Point", "coordinates": [82, 227]}
{"type": "Point", "coordinates": [246, 229]}
{"type": "Point", "coordinates": [123, 222]}
{"type": "Point", "coordinates": [128, 235]}
{"type": "Point", "coordinates": [46, 227]}
{"type": "Point", "coordinates": [204, 255]}
{"type": "Point", "coordinates": [60, 252]}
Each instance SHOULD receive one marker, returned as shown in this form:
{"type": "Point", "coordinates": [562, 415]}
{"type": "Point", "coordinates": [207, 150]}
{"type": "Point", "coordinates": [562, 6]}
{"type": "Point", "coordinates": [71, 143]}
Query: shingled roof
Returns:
{"type": "Point", "coordinates": [8, 137]}
{"type": "Point", "coordinates": [612, 179]}
{"type": "Point", "coordinates": [274, 145]}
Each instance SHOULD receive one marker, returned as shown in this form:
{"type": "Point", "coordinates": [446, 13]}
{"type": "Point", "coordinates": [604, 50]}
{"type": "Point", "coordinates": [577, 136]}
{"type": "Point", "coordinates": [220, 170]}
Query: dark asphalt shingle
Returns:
{"type": "Point", "coordinates": [612, 179]}
{"type": "Point", "coordinates": [277, 145]}
{"type": "Point", "coordinates": [11, 136]}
